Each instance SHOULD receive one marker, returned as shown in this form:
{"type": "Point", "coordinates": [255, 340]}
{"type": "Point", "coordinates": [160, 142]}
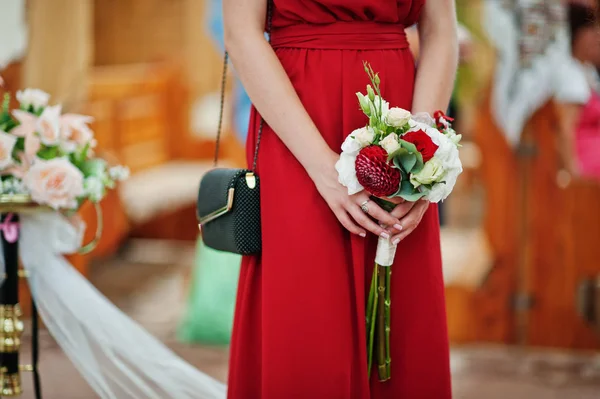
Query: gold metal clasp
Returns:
{"type": "Point", "coordinates": [251, 180]}
{"type": "Point", "coordinates": [219, 212]}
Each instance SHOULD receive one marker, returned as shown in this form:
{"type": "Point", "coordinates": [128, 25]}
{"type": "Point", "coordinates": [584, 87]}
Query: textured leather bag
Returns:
{"type": "Point", "coordinates": [228, 206]}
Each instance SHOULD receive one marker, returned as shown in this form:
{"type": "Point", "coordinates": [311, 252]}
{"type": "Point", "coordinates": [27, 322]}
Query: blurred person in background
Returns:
{"type": "Point", "coordinates": [580, 123]}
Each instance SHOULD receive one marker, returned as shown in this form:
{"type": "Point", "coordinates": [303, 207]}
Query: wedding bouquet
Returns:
{"type": "Point", "coordinates": [49, 156]}
{"type": "Point", "coordinates": [396, 154]}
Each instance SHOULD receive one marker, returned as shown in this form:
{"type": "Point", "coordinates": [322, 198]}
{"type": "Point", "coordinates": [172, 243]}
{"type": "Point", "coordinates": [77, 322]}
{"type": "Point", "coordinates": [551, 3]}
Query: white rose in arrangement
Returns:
{"type": "Point", "coordinates": [346, 169]}
{"type": "Point", "coordinates": [7, 144]}
{"type": "Point", "coordinates": [56, 183]}
{"type": "Point", "coordinates": [33, 97]}
{"type": "Point", "coordinates": [441, 191]}
{"type": "Point", "coordinates": [397, 117]}
{"type": "Point", "coordinates": [94, 188]}
{"type": "Point", "coordinates": [351, 146]}
{"type": "Point", "coordinates": [432, 172]}
{"type": "Point", "coordinates": [48, 125]}
{"type": "Point", "coordinates": [119, 173]}
{"type": "Point", "coordinates": [455, 138]}
{"type": "Point", "coordinates": [364, 136]}
{"type": "Point", "coordinates": [390, 143]}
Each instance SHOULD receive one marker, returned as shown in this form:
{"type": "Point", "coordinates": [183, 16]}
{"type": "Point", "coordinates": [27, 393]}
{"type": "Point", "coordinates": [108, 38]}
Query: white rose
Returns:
{"type": "Point", "coordinates": [94, 189]}
{"type": "Point", "coordinates": [441, 191]}
{"type": "Point", "coordinates": [447, 152]}
{"type": "Point", "coordinates": [7, 144]}
{"type": "Point", "coordinates": [397, 117]}
{"type": "Point", "coordinates": [346, 169]}
{"type": "Point", "coordinates": [33, 97]}
{"type": "Point", "coordinates": [390, 143]}
{"type": "Point", "coordinates": [364, 136]}
{"type": "Point", "coordinates": [432, 172]}
{"type": "Point", "coordinates": [351, 146]}
{"type": "Point", "coordinates": [455, 138]}
{"type": "Point", "coordinates": [48, 125]}
{"type": "Point", "coordinates": [119, 172]}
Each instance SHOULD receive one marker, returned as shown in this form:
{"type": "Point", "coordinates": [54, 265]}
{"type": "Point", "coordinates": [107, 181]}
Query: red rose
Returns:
{"type": "Point", "coordinates": [375, 173]}
{"type": "Point", "coordinates": [439, 116]}
{"type": "Point", "coordinates": [423, 142]}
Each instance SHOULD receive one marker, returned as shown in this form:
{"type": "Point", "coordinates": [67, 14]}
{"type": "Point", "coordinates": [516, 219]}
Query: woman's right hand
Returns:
{"type": "Point", "coordinates": [348, 208]}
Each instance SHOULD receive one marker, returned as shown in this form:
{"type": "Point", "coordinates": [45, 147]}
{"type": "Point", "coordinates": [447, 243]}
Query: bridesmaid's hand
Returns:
{"type": "Point", "coordinates": [410, 215]}
{"type": "Point", "coordinates": [349, 208]}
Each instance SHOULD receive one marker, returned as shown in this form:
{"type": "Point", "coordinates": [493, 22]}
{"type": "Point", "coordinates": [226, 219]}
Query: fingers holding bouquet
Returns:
{"type": "Point", "coordinates": [403, 161]}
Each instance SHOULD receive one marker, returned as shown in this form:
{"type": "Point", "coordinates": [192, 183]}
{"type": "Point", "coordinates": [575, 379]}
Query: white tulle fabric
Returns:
{"type": "Point", "coordinates": [519, 92]}
{"type": "Point", "coordinates": [117, 357]}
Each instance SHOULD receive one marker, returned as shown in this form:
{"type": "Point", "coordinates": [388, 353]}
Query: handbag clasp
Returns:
{"type": "Point", "coordinates": [219, 212]}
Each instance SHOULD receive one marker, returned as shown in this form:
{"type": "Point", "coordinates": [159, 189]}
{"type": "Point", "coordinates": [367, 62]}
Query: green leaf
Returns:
{"type": "Point", "coordinates": [408, 192]}
{"type": "Point", "coordinates": [79, 157]}
{"type": "Point", "coordinates": [409, 146]}
{"type": "Point", "coordinates": [93, 167]}
{"type": "Point", "coordinates": [408, 161]}
{"type": "Point", "coordinates": [48, 153]}
{"type": "Point", "coordinates": [397, 154]}
{"type": "Point", "coordinates": [20, 144]}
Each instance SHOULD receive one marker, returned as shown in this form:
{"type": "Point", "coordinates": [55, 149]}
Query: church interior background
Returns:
{"type": "Point", "coordinates": [519, 235]}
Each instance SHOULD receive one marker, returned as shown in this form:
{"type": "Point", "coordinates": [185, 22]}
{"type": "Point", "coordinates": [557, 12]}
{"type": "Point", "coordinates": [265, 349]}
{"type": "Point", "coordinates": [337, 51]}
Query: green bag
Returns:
{"type": "Point", "coordinates": [209, 316]}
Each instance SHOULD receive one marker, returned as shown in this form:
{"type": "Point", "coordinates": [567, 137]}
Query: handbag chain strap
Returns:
{"type": "Point", "coordinates": [223, 84]}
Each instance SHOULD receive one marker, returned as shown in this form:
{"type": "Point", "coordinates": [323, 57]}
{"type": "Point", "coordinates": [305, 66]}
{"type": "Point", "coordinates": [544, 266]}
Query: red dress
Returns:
{"type": "Point", "coordinates": [299, 329]}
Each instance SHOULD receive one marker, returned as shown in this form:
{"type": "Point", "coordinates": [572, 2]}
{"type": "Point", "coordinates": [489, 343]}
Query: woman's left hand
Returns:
{"type": "Point", "coordinates": [410, 215]}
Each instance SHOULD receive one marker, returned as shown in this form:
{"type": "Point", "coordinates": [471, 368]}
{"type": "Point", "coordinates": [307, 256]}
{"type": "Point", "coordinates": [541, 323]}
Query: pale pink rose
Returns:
{"type": "Point", "coordinates": [48, 125]}
{"type": "Point", "coordinates": [1, 82]}
{"type": "Point", "coordinates": [17, 170]}
{"type": "Point", "coordinates": [27, 123]}
{"type": "Point", "coordinates": [7, 144]}
{"type": "Point", "coordinates": [27, 127]}
{"type": "Point", "coordinates": [75, 129]}
{"type": "Point", "coordinates": [56, 183]}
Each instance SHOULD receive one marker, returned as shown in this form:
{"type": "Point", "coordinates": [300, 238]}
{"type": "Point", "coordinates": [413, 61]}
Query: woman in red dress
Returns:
{"type": "Point", "coordinates": [299, 329]}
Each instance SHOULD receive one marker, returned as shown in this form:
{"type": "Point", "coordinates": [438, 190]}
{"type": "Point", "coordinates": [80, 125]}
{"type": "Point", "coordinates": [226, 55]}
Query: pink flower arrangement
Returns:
{"type": "Point", "coordinates": [48, 155]}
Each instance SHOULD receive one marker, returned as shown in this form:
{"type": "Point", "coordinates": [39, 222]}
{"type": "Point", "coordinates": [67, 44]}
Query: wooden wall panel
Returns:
{"type": "Point", "coordinates": [143, 31]}
{"type": "Point", "coordinates": [151, 31]}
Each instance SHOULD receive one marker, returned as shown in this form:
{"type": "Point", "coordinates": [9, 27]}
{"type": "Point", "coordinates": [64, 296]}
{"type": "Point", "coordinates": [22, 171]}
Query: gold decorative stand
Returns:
{"type": "Point", "coordinates": [11, 325]}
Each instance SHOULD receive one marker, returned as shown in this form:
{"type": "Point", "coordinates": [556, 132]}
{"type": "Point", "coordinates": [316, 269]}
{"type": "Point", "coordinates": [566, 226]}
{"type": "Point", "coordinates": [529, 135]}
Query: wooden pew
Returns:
{"type": "Point", "coordinates": [544, 239]}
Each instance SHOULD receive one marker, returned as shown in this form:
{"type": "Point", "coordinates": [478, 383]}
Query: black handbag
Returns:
{"type": "Point", "coordinates": [228, 206]}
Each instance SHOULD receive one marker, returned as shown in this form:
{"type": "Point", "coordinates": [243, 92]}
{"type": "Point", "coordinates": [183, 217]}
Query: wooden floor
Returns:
{"type": "Point", "coordinates": [146, 281]}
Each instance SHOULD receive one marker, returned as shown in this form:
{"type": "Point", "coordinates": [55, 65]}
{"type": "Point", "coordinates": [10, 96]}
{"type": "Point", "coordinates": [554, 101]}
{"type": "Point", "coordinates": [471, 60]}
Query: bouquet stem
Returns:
{"type": "Point", "coordinates": [378, 321]}
{"type": "Point", "coordinates": [371, 314]}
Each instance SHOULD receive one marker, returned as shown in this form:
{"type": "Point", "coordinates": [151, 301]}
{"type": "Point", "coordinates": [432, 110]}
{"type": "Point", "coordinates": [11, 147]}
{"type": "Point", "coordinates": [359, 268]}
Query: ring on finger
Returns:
{"type": "Point", "coordinates": [364, 207]}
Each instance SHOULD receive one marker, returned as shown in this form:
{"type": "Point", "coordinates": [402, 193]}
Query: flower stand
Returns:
{"type": "Point", "coordinates": [11, 325]}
